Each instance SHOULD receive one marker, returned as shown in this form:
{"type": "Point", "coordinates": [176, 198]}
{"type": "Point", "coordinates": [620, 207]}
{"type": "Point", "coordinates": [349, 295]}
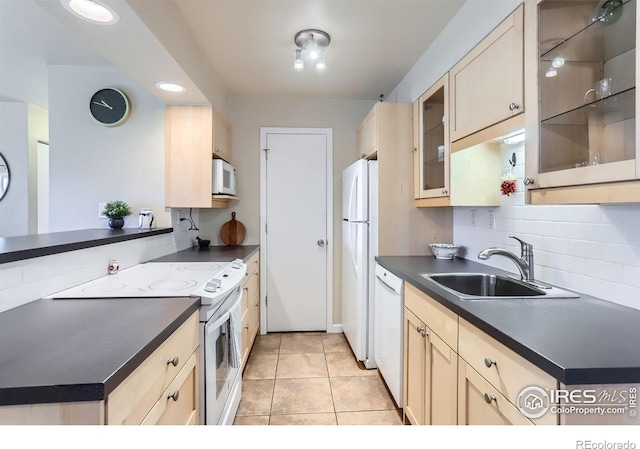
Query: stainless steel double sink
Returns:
{"type": "Point", "coordinates": [472, 286]}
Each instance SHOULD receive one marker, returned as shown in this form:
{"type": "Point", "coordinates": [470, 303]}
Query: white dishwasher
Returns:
{"type": "Point", "coordinates": [389, 305]}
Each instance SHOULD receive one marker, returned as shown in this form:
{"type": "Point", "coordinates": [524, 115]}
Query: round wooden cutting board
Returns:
{"type": "Point", "coordinates": [233, 232]}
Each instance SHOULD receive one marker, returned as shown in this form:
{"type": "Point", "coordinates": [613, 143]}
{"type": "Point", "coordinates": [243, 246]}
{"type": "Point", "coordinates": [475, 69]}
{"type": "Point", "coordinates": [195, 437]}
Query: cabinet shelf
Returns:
{"type": "Point", "coordinates": [595, 42]}
{"type": "Point", "coordinates": [608, 110]}
{"type": "Point", "coordinates": [435, 130]}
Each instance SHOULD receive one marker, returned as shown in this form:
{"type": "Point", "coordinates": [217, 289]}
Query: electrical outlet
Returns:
{"type": "Point", "coordinates": [492, 219]}
{"type": "Point", "coordinates": [100, 209]}
{"type": "Point", "coordinates": [473, 218]}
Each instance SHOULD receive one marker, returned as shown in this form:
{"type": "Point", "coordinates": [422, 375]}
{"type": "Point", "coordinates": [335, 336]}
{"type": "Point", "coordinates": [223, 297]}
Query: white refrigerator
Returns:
{"type": "Point", "coordinates": [359, 248]}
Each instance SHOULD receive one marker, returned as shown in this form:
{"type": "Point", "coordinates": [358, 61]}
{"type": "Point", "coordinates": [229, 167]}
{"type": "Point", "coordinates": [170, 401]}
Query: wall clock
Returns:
{"type": "Point", "coordinates": [110, 107]}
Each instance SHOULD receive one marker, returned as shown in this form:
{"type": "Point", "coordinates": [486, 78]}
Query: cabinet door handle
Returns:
{"type": "Point", "coordinates": [489, 398]}
{"type": "Point", "coordinates": [424, 333]}
{"type": "Point", "coordinates": [217, 149]}
{"type": "Point", "coordinates": [418, 329]}
{"type": "Point", "coordinates": [364, 156]}
{"type": "Point", "coordinates": [175, 395]}
{"type": "Point", "coordinates": [413, 150]}
{"type": "Point", "coordinates": [527, 181]}
{"type": "Point", "coordinates": [444, 192]}
{"type": "Point", "coordinates": [489, 363]}
{"type": "Point", "coordinates": [174, 361]}
{"type": "Point", "coordinates": [514, 106]}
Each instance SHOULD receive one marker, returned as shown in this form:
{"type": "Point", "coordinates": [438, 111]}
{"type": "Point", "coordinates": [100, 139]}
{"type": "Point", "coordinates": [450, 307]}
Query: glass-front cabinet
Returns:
{"type": "Point", "coordinates": [431, 137]}
{"type": "Point", "coordinates": [586, 90]}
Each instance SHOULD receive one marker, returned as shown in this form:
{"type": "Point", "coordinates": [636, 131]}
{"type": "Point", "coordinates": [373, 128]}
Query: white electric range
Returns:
{"type": "Point", "coordinates": [218, 285]}
{"type": "Point", "coordinates": [152, 279]}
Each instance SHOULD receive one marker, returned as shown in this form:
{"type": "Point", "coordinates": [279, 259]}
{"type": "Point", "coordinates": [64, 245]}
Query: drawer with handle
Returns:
{"type": "Point", "coordinates": [479, 402]}
{"type": "Point", "coordinates": [505, 370]}
{"type": "Point", "coordinates": [440, 319]}
{"type": "Point", "coordinates": [130, 402]}
{"type": "Point", "coordinates": [179, 403]}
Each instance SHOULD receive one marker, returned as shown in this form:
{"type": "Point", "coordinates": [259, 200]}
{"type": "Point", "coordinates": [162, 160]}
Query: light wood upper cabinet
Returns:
{"type": "Point", "coordinates": [466, 173]}
{"type": "Point", "coordinates": [405, 229]}
{"type": "Point", "coordinates": [192, 135]}
{"type": "Point", "coordinates": [582, 145]}
{"type": "Point", "coordinates": [221, 137]}
{"type": "Point", "coordinates": [487, 84]}
{"type": "Point", "coordinates": [431, 120]}
{"type": "Point", "coordinates": [368, 134]}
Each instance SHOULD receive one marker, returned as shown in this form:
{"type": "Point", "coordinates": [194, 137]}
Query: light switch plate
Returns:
{"type": "Point", "coordinates": [100, 209]}
{"type": "Point", "coordinates": [492, 219]}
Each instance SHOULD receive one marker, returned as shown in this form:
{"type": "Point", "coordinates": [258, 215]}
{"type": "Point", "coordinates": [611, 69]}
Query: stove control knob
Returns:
{"type": "Point", "coordinates": [213, 285]}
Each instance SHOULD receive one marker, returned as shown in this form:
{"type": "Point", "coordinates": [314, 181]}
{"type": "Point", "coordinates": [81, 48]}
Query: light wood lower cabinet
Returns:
{"type": "Point", "coordinates": [454, 373]}
{"type": "Point", "coordinates": [430, 364]}
{"type": "Point", "coordinates": [179, 402]}
{"type": "Point", "coordinates": [147, 386]}
{"type": "Point", "coordinates": [480, 403]}
{"type": "Point", "coordinates": [430, 394]}
{"type": "Point", "coordinates": [163, 389]}
{"type": "Point", "coordinates": [250, 305]}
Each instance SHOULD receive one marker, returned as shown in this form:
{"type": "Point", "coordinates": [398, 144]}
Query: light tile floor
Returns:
{"type": "Point", "coordinates": [311, 378]}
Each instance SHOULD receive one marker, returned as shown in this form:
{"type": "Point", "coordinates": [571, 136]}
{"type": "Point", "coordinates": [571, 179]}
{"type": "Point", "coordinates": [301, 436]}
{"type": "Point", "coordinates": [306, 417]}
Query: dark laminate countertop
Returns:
{"type": "Point", "coordinates": [210, 254]}
{"type": "Point", "coordinates": [81, 349]}
{"type": "Point", "coordinates": [578, 341]}
{"type": "Point", "coordinates": [37, 245]}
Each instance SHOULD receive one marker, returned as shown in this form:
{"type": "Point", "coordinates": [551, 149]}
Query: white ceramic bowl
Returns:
{"type": "Point", "coordinates": [444, 250]}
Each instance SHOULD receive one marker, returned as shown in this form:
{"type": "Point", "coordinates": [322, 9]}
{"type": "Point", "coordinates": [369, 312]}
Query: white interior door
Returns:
{"type": "Point", "coordinates": [296, 236]}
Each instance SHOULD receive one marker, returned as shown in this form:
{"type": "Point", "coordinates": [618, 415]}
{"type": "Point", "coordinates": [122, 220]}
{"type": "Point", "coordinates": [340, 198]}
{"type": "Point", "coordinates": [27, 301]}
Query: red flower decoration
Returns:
{"type": "Point", "coordinates": [508, 185]}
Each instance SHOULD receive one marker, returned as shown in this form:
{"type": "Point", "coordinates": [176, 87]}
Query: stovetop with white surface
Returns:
{"type": "Point", "coordinates": [148, 280]}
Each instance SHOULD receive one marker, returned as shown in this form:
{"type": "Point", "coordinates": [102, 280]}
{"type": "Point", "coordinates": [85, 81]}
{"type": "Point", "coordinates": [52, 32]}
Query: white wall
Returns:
{"type": "Point", "coordinates": [592, 249]}
{"type": "Point", "coordinates": [14, 212]}
{"type": "Point", "coordinates": [246, 116]}
{"type": "Point", "coordinates": [91, 163]}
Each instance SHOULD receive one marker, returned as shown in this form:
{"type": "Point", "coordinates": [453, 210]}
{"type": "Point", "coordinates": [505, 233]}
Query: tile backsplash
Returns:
{"type": "Point", "coordinates": [28, 280]}
{"type": "Point", "coordinates": [591, 249]}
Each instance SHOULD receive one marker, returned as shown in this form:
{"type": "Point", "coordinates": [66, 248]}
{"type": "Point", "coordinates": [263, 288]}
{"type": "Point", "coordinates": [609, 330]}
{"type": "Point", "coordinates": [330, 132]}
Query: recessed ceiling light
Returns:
{"type": "Point", "coordinates": [170, 87]}
{"type": "Point", "coordinates": [91, 10]}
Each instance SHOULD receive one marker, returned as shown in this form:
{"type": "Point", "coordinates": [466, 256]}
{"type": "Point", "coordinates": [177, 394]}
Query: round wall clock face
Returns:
{"type": "Point", "coordinates": [110, 107]}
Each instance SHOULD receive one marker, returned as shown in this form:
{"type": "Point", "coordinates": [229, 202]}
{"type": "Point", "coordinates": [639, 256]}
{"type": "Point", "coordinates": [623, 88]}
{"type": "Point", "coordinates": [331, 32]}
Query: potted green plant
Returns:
{"type": "Point", "coordinates": [116, 211]}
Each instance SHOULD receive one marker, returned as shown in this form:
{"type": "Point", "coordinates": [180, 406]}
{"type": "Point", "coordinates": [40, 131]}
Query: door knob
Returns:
{"type": "Point", "coordinates": [321, 242]}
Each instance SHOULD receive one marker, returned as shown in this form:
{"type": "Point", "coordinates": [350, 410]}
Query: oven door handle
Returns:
{"type": "Point", "coordinates": [216, 324]}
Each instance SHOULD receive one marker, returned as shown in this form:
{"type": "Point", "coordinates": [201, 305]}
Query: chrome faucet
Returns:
{"type": "Point", "coordinates": [524, 262]}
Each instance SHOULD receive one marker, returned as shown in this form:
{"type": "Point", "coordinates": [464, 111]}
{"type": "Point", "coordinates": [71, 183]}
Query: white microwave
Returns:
{"type": "Point", "coordinates": [223, 179]}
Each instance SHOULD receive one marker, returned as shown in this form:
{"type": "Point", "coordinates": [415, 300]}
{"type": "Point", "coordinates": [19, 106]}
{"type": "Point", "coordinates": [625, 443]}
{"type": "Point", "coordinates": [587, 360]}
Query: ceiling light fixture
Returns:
{"type": "Point", "coordinates": [170, 87]}
{"type": "Point", "coordinates": [311, 44]}
{"type": "Point", "coordinates": [298, 63]}
{"type": "Point", "coordinates": [91, 10]}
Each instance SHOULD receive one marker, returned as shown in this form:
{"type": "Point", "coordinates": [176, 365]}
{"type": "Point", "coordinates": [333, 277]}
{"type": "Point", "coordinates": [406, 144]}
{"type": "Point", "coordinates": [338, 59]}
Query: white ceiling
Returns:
{"type": "Point", "coordinates": [245, 47]}
{"type": "Point", "coordinates": [374, 43]}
